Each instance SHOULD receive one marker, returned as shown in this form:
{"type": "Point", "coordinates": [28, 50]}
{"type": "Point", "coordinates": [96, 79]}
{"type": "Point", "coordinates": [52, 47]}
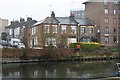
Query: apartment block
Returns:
{"type": "Point", "coordinates": [78, 13]}
{"type": "Point", "coordinates": [106, 16]}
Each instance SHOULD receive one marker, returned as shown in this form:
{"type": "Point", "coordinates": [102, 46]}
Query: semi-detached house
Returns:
{"type": "Point", "coordinates": [60, 31]}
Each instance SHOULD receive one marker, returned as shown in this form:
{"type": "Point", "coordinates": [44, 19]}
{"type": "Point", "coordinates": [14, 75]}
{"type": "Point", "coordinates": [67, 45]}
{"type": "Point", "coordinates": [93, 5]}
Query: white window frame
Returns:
{"type": "Point", "coordinates": [73, 29]}
{"type": "Point", "coordinates": [106, 30]}
{"type": "Point", "coordinates": [63, 29]}
{"type": "Point", "coordinates": [106, 11]}
{"type": "Point", "coordinates": [33, 30]}
{"type": "Point", "coordinates": [35, 40]}
{"type": "Point", "coordinates": [47, 28]}
{"type": "Point", "coordinates": [82, 29]}
{"type": "Point", "coordinates": [114, 21]}
{"type": "Point", "coordinates": [54, 28]}
{"type": "Point", "coordinates": [106, 39]}
{"type": "Point", "coordinates": [105, 2]}
{"type": "Point", "coordinates": [114, 12]}
{"type": "Point", "coordinates": [106, 20]}
{"type": "Point", "coordinates": [49, 41]}
{"type": "Point", "coordinates": [90, 29]}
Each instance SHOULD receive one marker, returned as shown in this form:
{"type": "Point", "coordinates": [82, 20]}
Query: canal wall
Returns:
{"type": "Point", "coordinates": [46, 55]}
{"type": "Point", "coordinates": [18, 60]}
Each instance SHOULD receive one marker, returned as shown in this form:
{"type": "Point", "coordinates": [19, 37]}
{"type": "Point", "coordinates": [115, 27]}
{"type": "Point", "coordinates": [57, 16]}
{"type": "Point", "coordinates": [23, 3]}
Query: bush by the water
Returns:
{"type": "Point", "coordinates": [86, 46]}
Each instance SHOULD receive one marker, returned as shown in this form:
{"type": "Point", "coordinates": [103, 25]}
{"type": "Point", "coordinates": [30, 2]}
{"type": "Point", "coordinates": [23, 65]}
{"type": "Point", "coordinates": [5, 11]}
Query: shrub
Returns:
{"type": "Point", "coordinates": [86, 46]}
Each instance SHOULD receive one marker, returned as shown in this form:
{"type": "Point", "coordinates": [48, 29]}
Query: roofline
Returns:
{"type": "Point", "coordinates": [62, 24]}
{"type": "Point", "coordinates": [45, 23]}
{"type": "Point", "coordinates": [86, 25]}
{"type": "Point", "coordinates": [88, 1]}
{"type": "Point", "coordinates": [77, 23]}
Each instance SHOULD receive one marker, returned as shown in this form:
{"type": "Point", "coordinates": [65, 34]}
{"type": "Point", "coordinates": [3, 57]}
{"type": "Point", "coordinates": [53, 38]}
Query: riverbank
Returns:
{"type": "Point", "coordinates": [53, 55]}
{"type": "Point", "coordinates": [17, 60]}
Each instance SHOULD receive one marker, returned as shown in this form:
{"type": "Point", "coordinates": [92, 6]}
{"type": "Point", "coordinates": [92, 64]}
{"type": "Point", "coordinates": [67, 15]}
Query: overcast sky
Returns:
{"type": "Point", "coordinates": [37, 9]}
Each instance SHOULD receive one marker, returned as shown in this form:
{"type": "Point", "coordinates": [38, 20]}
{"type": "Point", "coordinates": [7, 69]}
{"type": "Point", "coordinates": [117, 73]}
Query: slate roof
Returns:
{"type": "Point", "coordinates": [17, 24]}
{"type": "Point", "coordinates": [51, 20]}
{"type": "Point", "coordinates": [30, 23]}
{"type": "Point", "coordinates": [84, 21]}
{"type": "Point", "coordinates": [66, 21]}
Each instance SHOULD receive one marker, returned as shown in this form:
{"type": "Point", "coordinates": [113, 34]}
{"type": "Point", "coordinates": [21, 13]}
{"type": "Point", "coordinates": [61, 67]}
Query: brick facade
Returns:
{"type": "Point", "coordinates": [60, 31]}
{"type": "Point", "coordinates": [106, 18]}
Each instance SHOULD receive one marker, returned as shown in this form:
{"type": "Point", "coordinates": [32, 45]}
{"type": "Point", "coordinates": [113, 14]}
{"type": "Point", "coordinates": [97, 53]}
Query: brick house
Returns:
{"type": "Point", "coordinates": [106, 16]}
{"type": "Point", "coordinates": [21, 30]}
{"type": "Point", "coordinates": [59, 31]}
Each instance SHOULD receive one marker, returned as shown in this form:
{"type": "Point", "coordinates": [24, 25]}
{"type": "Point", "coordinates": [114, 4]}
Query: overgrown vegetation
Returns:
{"type": "Point", "coordinates": [86, 46]}
{"type": "Point", "coordinates": [4, 36]}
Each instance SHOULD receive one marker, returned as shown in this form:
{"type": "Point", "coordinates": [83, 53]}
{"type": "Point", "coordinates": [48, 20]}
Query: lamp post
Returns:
{"type": "Point", "coordinates": [78, 33]}
{"type": "Point", "coordinates": [98, 35]}
{"type": "Point", "coordinates": [33, 33]}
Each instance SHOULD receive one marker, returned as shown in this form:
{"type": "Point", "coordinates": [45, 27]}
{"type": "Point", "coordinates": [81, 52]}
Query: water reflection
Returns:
{"type": "Point", "coordinates": [59, 70]}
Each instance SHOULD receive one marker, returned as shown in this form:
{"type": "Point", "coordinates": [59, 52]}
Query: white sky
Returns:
{"type": "Point", "coordinates": [37, 9]}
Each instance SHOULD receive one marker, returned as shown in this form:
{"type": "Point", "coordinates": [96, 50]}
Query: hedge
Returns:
{"type": "Point", "coordinates": [86, 46]}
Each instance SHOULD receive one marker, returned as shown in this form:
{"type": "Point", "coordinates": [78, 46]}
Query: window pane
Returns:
{"type": "Point", "coordinates": [106, 30]}
{"type": "Point", "coordinates": [73, 29]}
{"type": "Point", "coordinates": [63, 28]}
{"type": "Point", "coordinates": [114, 21]}
{"type": "Point", "coordinates": [106, 11]}
{"type": "Point", "coordinates": [54, 28]}
{"type": "Point", "coordinates": [114, 11]}
{"type": "Point", "coordinates": [82, 30]}
{"type": "Point", "coordinates": [47, 30]}
{"type": "Point", "coordinates": [90, 30]}
{"type": "Point", "coordinates": [106, 39]}
{"type": "Point", "coordinates": [105, 2]}
{"type": "Point", "coordinates": [106, 20]}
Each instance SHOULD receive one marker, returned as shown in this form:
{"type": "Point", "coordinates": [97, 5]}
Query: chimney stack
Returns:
{"type": "Point", "coordinates": [29, 18]}
{"type": "Point", "coordinates": [52, 14]}
{"type": "Point", "coordinates": [71, 16]}
{"type": "Point", "coordinates": [22, 20]}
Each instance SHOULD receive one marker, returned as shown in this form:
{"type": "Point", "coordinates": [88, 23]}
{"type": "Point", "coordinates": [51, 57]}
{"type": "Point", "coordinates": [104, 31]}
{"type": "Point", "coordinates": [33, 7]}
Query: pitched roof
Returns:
{"type": "Point", "coordinates": [30, 23]}
{"type": "Point", "coordinates": [66, 20]}
{"type": "Point", "coordinates": [84, 21]}
{"type": "Point", "coordinates": [16, 24]}
{"type": "Point", "coordinates": [88, 1]}
{"type": "Point", "coordinates": [37, 23]}
{"type": "Point", "coordinates": [50, 20]}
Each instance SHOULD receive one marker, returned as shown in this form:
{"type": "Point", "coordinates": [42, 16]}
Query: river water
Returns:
{"type": "Point", "coordinates": [60, 70]}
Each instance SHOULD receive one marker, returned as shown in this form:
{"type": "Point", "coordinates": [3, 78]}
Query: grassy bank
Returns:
{"type": "Point", "coordinates": [56, 53]}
